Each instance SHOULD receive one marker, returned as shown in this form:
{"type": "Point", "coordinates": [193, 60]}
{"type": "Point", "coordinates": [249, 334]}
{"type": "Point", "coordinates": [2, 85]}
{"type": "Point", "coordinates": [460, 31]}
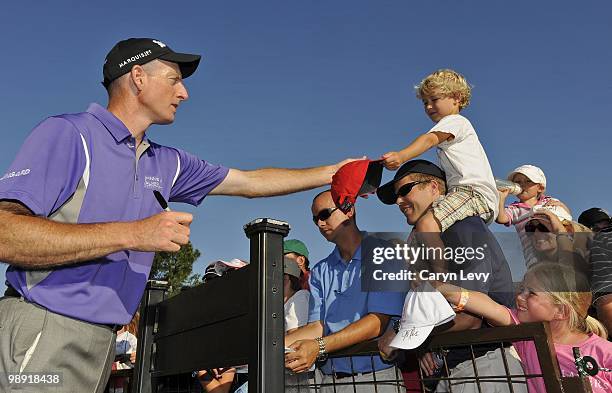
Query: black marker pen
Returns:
{"type": "Point", "coordinates": [161, 200]}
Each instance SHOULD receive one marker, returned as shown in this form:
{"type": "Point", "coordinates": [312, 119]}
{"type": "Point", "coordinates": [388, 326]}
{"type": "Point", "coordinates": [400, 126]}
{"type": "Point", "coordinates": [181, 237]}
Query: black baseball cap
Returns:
{"type": "Point", "coordinates": [386, 193]}
{"type": "Point", "coordinates": [127, 53]}
{"type": "Point", "coordinates": [592, 216]}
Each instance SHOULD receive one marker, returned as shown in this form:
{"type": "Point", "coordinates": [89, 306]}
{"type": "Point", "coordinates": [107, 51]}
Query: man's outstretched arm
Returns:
{"type": "Point", "coordinates": [275, 181]}
{"type": "Point", "coordinates": [37, 243]}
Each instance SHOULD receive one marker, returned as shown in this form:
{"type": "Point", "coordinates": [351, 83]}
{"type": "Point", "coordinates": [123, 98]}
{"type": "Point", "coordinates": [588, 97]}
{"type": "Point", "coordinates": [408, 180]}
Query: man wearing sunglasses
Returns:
{"type": "Point", "coordinates": [341, 314]}
{"type": "Point", "coordinates": [418, 185]}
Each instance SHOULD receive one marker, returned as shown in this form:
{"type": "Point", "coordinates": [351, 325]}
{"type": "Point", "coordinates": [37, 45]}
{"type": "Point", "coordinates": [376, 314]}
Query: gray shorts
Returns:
{"type": "Point", "coordinates": [490, 364]}
{"type": "Point", "coordinates": [47, 347]}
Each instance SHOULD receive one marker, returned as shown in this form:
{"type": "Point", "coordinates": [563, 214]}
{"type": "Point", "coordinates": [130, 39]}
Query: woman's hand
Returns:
{"type": "Point", "coordinates": [556, 226]}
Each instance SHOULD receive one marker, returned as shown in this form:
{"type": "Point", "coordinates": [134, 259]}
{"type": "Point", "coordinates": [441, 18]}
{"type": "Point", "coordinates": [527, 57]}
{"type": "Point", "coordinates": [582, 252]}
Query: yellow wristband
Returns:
{"type": "Point", "coordinates": [465, 296]}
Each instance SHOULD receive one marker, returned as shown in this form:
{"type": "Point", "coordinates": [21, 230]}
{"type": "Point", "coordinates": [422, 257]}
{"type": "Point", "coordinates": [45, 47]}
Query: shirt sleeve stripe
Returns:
{"type": "Point", "coordinates": [86, 171]}
{"type": "Point", "coordinates": [178, 169]}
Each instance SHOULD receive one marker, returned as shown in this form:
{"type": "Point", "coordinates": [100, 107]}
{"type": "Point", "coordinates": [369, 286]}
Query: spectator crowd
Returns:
{"type": "Point", "coordinates": [567, 283]}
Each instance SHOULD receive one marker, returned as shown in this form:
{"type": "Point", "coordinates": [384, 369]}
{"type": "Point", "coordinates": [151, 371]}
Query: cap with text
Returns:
{"type": "Point", "coordinates": [424, 309]}
{"type": "Point", "coordinates": [139, 51]}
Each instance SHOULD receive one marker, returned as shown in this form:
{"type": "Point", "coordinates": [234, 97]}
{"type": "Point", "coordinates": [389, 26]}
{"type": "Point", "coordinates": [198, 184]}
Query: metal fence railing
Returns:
{"type": "Point", "coordinates": [237, 319]}
{"type": "Point", "coordinates": [470, 340]}
{"type": "Point", "coordinates": [233, 320]}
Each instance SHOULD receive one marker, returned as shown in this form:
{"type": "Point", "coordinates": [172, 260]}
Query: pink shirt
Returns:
{"type": "Point", "coordinates": [595, 346]}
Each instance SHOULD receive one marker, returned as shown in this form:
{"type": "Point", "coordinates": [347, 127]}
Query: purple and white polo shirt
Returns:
{"type": "Point", "coordinates": [85, 168]}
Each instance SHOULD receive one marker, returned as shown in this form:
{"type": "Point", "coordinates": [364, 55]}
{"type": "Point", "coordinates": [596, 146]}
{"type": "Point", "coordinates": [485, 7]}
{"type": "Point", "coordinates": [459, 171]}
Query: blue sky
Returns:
{"type": "Point", "coordinates": [295, 84]}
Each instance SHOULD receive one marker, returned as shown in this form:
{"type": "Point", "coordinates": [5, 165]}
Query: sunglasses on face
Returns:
{"type": "Point", "coordinates": [406, 188]}
{"type": "Point", "coordinates": [531, 227]}
{"type": "Point", "coordinates": [324, 214]}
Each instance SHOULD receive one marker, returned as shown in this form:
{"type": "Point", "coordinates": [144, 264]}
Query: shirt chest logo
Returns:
{"type": "Point", "coordinates": [153, 183]}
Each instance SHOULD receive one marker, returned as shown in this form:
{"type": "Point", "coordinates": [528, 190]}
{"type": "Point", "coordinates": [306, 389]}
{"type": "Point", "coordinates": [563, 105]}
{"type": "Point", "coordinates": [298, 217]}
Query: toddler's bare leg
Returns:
{"type": "Point", "coordinates": [428, 233]}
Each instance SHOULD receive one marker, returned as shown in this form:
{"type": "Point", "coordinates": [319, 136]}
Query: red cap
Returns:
{"type": "Point", "coordinates": [357, 178]}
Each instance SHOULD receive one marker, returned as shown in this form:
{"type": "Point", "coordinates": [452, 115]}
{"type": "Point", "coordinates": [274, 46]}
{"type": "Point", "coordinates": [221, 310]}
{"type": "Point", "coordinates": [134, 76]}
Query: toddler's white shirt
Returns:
{"type": "Point", "coordinates": [464, 159]}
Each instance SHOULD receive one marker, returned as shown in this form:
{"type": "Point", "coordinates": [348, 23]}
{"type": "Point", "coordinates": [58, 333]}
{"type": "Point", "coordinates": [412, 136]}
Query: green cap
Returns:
{"type": "Point", "coordinates": [296, 246]}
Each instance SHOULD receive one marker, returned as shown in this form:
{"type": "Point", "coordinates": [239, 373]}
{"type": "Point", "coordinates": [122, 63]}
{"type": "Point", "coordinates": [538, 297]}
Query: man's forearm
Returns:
{"type": "Point", "coordinates": [274, 181]}
{"type": "Point", "coordinates": [306, 332]}
{"type": "Point", "coordinates": [34, 242]}
{"type": "Point", "coordinates": [368, 327]}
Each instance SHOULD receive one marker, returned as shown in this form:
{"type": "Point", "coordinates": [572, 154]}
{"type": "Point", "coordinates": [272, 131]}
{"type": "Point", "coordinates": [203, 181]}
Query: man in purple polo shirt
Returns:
{"type": "Point", "coordinates": [79, 221]}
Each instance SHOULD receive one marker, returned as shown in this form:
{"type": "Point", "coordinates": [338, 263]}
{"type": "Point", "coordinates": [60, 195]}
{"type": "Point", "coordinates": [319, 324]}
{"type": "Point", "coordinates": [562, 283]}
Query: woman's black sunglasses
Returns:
{"type": "Point", "coordinates": [406, 188]}
{"type": "Point", "coordinates": [324, 214]}
{"type": "Point", "coordinates": [532, 226]}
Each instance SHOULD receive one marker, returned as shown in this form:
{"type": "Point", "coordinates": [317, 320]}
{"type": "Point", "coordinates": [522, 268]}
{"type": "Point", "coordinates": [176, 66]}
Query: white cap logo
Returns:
{"type": "Point", "coordinates": [161, 44]}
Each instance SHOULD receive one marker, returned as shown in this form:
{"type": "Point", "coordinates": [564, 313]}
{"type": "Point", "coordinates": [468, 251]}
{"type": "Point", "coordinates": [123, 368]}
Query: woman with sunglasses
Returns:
{"type": "Point", "coordinates": [555, 238]}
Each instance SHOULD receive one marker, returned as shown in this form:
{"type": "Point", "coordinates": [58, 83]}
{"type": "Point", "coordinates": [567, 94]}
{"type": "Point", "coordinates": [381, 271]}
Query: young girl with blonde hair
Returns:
{"type": "Point", "coordinates": [555, 293]}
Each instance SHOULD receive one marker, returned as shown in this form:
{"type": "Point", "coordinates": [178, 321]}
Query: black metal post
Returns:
{"type": "Point", "coordinates": [154, 294]}
{"type": "Point", "coordinates": [266, 355]}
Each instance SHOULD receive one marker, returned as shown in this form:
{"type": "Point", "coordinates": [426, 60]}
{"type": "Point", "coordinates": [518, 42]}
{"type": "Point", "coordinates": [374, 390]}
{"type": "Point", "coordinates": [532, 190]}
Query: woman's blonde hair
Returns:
{"type": "Point", "coordinates": [569, 288]}
{"type": "Point", "coordinates": [448, 83]}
